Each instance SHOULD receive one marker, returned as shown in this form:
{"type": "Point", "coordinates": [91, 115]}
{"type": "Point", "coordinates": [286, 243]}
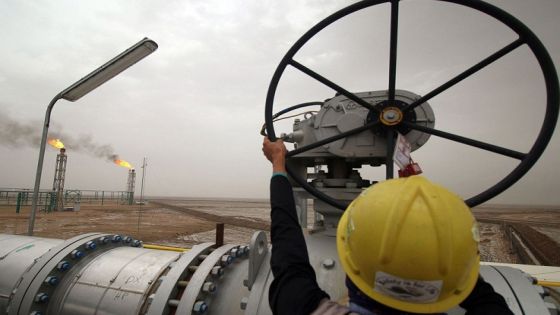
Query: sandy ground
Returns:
{"type": "Point", "coordinates": [187, 222]}
{"type": "Point", "coordinates": [148, 223]}
{"type": "Point", "coordinates": [553, 233]}
{"type": "Point", "coordinates": [547, 217]}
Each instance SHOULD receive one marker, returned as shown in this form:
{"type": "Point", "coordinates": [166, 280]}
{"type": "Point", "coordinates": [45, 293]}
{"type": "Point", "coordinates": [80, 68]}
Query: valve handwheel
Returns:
{"type": "Point", "coordinates": [392, 116]}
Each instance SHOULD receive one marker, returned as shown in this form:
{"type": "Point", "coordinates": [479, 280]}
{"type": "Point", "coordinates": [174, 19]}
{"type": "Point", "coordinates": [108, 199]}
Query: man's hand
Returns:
{"type": "Point", "coordinates": [275, 152]}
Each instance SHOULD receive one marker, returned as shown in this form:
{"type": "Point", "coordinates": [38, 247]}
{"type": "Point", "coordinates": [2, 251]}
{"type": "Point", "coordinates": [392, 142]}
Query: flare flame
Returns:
{"type": "Point", "coordinates": [56, 143]}
{"type": "Point", "coordinates": [123, 163]}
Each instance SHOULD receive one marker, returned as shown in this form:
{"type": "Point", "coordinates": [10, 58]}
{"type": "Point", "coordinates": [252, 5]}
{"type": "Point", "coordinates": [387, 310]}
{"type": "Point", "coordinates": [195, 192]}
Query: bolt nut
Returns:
{"type": "Point", "coordinates": [77, 254]}
{"type": "Point", "coordinates": [209, 287]}
{"type": "Point", "coordinates": [51, 280]}
{"type": "Point", "coordinates": [127, 239]}
{"type": "Point", "coordinates": [136, 243]}
{"type": "Point", "coordinates": [244, 302]}
{"type": "Point", "coordinates": [235, 252]}
{"type": "Point", "coordinates": [226, 260]}
{"type": "Point", "coordinates": [328, 263]}
{"type": "Point", "coordinates": [41, 298]}
{"type": "Point", "coordinates": [103, 240]}
{"type": "Point", "coordinates": [217, 271]}
{"type": "Point", "coordinates": [200, 307]}
{"type": "Point", "coordinates": [91, 245]}
{"type": "Point", "coordinates": [63, 265]}
{"type": "Point", "coordinates": [116, 238]}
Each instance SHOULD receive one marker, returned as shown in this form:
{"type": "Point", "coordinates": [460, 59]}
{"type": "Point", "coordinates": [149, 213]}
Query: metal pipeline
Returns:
{"type": "Point", "coordinates": [113, 274]}
{"type": "Point", "coordinates": [105, 273]}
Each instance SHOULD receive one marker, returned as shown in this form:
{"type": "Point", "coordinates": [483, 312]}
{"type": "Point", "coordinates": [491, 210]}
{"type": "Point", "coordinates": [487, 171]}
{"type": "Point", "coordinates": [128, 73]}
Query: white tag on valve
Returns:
{"type": "Point", "coordinates": [401, 154]}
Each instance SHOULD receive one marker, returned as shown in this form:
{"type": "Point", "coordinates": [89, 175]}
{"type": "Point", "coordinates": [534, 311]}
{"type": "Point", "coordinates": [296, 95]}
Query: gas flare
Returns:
{"type": "Point", "coordinates": [56, 143]}
{"type": "Point", "coordinates": [123, 163]}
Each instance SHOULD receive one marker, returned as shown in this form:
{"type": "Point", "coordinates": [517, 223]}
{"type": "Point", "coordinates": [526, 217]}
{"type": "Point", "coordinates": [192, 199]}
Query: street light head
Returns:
{"type": "Point", "coordinates": [107, 71]}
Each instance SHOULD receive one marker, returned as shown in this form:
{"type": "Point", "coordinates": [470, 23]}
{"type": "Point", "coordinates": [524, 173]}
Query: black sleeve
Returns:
{"type": "Point", "coordinates": [294, 289]}
{"type": "Point", "coordinates": [484, 300]}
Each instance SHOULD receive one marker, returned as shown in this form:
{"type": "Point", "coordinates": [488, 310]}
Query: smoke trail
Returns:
{"type": "Point", "coordinates": [15, 134]}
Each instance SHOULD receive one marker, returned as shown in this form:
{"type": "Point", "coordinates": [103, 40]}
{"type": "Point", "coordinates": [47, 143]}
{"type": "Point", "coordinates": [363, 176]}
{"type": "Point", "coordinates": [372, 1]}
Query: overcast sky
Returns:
{"type": "Point", "coordinates": [194, 108]}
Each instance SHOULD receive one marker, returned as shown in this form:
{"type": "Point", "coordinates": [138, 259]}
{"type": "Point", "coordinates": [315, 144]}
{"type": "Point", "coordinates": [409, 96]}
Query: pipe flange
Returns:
{"type": "Point", "coordinates": [170, 284]}
{"type": "Point", "coordinates": [203, 283]}
{"type": "Point", "coordinates": [42, 279]}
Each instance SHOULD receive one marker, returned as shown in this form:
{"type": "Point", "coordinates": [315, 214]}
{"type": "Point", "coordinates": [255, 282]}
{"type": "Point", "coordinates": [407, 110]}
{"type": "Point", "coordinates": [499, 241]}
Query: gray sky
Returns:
{"type": "Point", "coordinates": [194, 108]}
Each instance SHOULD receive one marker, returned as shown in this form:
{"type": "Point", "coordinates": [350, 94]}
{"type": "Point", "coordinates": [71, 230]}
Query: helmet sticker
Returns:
{"type": "Point", "coordinates": [408, 290]}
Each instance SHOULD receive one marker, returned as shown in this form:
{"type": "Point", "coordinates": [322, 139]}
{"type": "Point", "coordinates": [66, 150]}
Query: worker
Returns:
{"type": "Point", "coordinates": [407, 246]}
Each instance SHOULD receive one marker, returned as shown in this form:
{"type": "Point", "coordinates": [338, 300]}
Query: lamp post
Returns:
{"type": "Point", "coordinates": [85, 85]}
{"type": "Point", "coordinates": [144, 165]}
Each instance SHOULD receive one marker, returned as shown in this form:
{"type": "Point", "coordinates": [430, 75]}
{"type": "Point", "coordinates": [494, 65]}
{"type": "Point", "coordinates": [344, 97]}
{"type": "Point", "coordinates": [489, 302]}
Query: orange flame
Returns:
{"type": "Point", "coordinates": [123, 163]}
{"type": "Point", "coordinates": [56, 143]}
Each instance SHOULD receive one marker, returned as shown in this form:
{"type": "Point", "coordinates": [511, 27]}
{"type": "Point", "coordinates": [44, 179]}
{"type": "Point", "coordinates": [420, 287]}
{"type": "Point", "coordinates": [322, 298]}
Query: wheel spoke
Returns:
{"type": "Point", "coordinates": [467, 141]}
{"type": "Point", "coordinates": [389, 165]}
{"type": "Point", "coordinates": [393, 49]}
{"type": "Point", "coordinates": [332, 139]}
{"type": "Point", "coordinates": [495, 56]}
{"type": "Point", "coordinates": [331, 84]}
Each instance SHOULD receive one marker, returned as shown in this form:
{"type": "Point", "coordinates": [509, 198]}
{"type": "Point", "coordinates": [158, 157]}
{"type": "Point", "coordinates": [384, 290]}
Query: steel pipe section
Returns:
{"type": "Point", "coordinates": [99, 273]}
{"type": "Point", "coordinates": [110, 274]}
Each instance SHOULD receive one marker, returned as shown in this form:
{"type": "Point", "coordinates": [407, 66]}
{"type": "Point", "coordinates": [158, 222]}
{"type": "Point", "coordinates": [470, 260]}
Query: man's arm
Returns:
{"type": "Point", "coordinates": [294, 289]}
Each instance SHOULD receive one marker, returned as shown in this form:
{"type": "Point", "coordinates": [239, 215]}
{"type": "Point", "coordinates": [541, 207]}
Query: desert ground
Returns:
{"type": "Point", "coordinates": [185, 222]}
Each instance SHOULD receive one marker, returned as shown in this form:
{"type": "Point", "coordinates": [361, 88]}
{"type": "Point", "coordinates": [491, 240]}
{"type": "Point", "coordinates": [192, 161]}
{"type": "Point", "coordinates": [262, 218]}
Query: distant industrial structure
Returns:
{"type": "Point", "coordinates": [58, 183]}
{"type": "Point", "coordinates": [130, 185]}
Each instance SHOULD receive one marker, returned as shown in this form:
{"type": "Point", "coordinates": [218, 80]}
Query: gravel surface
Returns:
{"type": "Point", "coordinates": [494, 245]}
{"type": "Point", "coordinates": [189, 221]}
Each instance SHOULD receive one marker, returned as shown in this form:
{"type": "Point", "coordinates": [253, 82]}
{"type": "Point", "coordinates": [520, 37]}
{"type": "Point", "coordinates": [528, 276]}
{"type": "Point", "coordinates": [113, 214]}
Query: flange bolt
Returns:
{"type": "Point", "coordinates": [226, 260]}
{"type": "Point", "coordinates": [116, 238]}
{"type": "Point", "coordinates": [209, 287]}
{"type": "Point", "coordinates": [244, 302]}
{"type": "Point", "coordinates": [77, 254]}
{"type": "Point", "coordinates": [328, 263]}
{"type": "Point", "coordinates": [91, 245]}
{"type": "Point", "coordinates": [136, 243]}
{"type": "Point", "coordinates": [200, 307]}
{"type": "Point", "coordinates": [63, 265]}
{"type": "Point", "coordinates": [41, 298]}
{"type": "Point", "coordinates": [217, 271]}
{"type": "Point", "coordinates": [103, 240]}
{"type": "Point", "coordinates": [51, 280]}
{"type": "Point", "coordinates": [128, 239]}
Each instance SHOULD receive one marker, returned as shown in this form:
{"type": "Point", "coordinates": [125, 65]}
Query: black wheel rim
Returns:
{"type": "Point", "coordinates": [526, 37]}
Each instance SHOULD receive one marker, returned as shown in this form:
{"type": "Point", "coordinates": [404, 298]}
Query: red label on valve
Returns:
{"type": "Point", "coordinates": [410, 169]}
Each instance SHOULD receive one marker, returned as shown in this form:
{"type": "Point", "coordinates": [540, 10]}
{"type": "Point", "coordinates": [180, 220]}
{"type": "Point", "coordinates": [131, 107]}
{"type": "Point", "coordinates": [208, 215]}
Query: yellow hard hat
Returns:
{"type": "Point", "coordinates": [411, 245]}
